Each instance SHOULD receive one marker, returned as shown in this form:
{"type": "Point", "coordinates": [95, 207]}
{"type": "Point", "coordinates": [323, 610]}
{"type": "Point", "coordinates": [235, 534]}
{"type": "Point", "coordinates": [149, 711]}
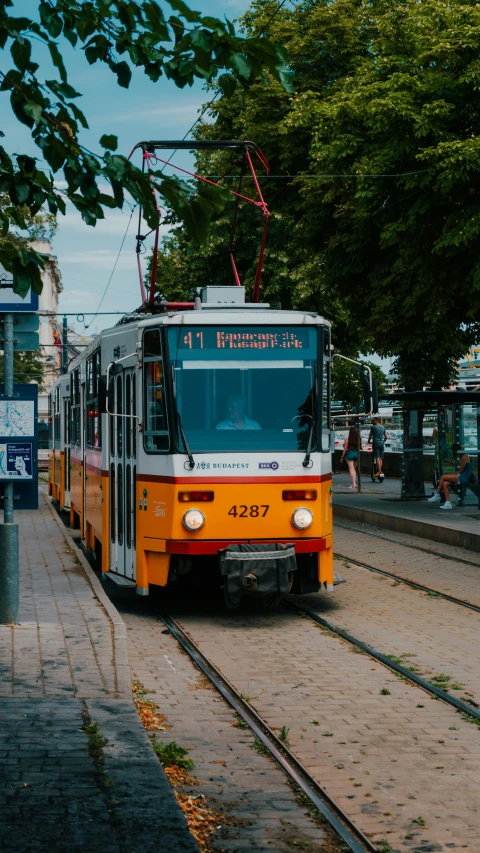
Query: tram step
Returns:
{"type": "Point", "coordinates": [120, 580]}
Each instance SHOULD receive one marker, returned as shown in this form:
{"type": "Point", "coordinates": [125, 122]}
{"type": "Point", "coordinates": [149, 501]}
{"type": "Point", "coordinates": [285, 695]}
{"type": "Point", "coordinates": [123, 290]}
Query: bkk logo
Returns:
{"type": "Point", "coordinates": [272, 465]}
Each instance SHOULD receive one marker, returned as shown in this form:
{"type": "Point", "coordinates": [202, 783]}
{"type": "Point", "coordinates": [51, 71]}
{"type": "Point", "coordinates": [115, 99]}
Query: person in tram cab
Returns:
{"type": "Point", "coordinates": [236, 417]}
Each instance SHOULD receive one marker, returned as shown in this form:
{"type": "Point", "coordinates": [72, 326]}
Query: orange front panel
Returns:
{"type": "Point", "coordinates": [238, 511]}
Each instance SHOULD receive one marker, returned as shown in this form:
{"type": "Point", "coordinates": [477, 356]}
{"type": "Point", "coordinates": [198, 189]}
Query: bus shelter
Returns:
{"type": "Point", "coordinates": [457, 426]}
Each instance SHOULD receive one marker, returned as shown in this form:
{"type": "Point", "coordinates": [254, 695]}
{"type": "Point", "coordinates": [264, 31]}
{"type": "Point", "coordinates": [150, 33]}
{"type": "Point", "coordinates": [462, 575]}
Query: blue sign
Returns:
{"type": "Point", "coordinates": [10, 301]}
{"type": "Point", "coordinates": [16, 461]}
{"type": "Point", "coordinates": [18, 445]}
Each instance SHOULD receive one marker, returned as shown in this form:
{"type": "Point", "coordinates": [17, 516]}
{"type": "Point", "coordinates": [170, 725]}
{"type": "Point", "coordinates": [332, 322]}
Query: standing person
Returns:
{"type": "Point", "coordinates": [377, 436]}
{"type": "Point", "coordinates": [462, 476]}
{"type": "Point", "coordinates": [351, 449]}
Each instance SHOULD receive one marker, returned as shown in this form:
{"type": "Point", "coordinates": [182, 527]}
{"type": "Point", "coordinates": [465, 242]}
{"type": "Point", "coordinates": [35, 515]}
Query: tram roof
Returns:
{"type": "Point", "coordinates": [236, 317]}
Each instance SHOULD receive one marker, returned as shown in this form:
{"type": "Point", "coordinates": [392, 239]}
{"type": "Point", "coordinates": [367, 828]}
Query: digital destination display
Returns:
{"type": "Point", "coordinates": [246, 339]}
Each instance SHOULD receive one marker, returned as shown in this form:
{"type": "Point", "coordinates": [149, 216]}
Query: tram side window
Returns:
{"type": "Point", "coordinates": [326, 392]}
{"type": "Point", "coordinates": [75, 407]}
{"type": "Point", "coordinates": [56, 420]}
{"type": "Point", "coordinates": [156, 437]}
{"type": "Point", "coordinates": [93, 417]}
{"type": "Point", "coordinates": [50, 422]}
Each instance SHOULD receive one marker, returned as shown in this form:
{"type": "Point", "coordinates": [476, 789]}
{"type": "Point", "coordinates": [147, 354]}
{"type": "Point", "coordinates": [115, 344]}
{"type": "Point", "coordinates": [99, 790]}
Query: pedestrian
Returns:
{"type": "Point", "coordinates": [462, 476]}
{"type": "Point", "coordinates": [377, 436]}
{"type": "Point", "coordinates": [351, 449]}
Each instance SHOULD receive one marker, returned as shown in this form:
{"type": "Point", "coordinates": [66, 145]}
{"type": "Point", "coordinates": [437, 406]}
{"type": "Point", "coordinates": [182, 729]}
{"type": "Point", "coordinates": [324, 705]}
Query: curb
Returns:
{"type": "Point", "coordinates": [120, 646]}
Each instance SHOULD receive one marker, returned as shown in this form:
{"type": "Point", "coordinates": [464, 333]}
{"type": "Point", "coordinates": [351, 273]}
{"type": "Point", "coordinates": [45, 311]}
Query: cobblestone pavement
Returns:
{"type": "Point", "coordinates": [458, 579]}
{"type": "Point", "coordinates": [63, 645]}
{"type": "Point", "coordinates": [247, 786]}
{"type": "Point", "coordinates": [58, 672]}
{"type": "Point", "coordinates": [404, 766]}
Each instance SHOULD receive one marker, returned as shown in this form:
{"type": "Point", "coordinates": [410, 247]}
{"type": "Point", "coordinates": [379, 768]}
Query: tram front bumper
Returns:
{"type": "Point", "coordinates": [257, 570]}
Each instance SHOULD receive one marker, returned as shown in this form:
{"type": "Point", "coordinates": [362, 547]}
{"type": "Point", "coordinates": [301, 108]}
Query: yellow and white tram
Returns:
{"type": "Point", "coordinates": [201, 432]}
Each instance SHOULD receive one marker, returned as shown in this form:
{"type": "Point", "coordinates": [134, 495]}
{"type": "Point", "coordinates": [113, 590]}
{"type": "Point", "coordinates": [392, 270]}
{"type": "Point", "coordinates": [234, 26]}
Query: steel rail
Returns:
{"type": "Point", "coordinates": [413, 584]}
{"type": "Point", "coordinates": [356, 841]}
{"type": "Point", "coordinates": [388, 662]}
{"type": "Point", "coordinates": [409, 545]}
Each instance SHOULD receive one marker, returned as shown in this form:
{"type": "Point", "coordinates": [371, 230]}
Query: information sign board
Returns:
{"type": "Point", "coordinates": [18, 445]}
{"type": "Point", "coordinates": [16, 461]}
{"type": "Point", "coordinates": [22, 322]}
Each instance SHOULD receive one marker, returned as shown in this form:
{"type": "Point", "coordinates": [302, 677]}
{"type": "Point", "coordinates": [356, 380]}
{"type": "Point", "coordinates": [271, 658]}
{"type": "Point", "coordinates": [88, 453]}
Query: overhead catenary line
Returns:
{"type": "Point", "coordinates": [114, 268]}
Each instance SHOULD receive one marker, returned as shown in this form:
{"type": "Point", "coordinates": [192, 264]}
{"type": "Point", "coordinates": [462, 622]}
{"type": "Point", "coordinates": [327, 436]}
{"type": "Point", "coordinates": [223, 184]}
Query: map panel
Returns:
{"type": "Point", "coordinates": [17, 417]}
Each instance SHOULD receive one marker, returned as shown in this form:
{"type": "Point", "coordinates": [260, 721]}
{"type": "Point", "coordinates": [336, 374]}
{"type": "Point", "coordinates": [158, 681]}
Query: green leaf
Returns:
{"type": "Point", "coordinates": [110, 142]}
{"type": "Point", "coordinates": [202, 39]}
{"type": "Point", "coordinates": [241, 65]}
{"type": "Point", "coordinates": [124, 74]}
{"type": "Point", "coordinates": [57, 60]}
{"type": "Point", "coordinates": [35, 111]}
{"type": "Point", "coordinates": [286, 77]}
{"type": "Point", "coordinates": [227, 83]}
{"type": "Point", "coordinates": [183, 10]}
{"type": "Point", "coordinates": [21, 50]}
{"type": "Point", "coordinates": [26, 275]}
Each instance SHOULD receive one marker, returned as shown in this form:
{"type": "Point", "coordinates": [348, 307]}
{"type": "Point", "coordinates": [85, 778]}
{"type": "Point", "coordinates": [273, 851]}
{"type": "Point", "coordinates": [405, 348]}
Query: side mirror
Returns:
{"type": "Point", "coordinates": [102, 394]}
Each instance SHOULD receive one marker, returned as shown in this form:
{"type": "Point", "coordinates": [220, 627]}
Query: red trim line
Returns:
{"type": "Point", "coordinates": [159, 478]}
{"type": "Point", "coordinates": [302, 546]}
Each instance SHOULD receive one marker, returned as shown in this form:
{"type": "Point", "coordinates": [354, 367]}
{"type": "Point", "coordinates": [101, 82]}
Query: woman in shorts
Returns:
{"type": "Point", "coordinates": [351, 449]}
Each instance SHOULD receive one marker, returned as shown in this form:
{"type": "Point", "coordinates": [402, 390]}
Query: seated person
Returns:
{"type": "Point", "coordinates": [462, 476]}
{"type": "Point", "coordinates": [236, 417]}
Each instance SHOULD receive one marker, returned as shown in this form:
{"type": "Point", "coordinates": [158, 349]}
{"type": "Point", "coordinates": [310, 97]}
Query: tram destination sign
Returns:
{"type": "Point", "coordinates": [245, 339]}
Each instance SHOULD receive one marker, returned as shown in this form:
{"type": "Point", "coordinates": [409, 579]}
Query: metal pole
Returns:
{"type": "Point", "coordinates": [65, 346]}
{"type": "Point", "coordinates": [9, 582]}
{"type": "Point", "coordinates": [8, 391]}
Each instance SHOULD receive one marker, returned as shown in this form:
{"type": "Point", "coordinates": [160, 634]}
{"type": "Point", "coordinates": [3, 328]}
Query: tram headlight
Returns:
{"type": "Point", "coordinates": [302, 518]}
{"type": "Point", "coordinates": [193, 519]}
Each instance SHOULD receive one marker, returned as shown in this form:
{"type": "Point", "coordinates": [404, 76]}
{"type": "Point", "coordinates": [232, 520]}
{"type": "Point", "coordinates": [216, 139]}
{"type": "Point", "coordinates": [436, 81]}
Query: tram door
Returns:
{"type": "Point", "coordinates": [123, 469]}
{"type": "Point", "coordinates": [66, 450]}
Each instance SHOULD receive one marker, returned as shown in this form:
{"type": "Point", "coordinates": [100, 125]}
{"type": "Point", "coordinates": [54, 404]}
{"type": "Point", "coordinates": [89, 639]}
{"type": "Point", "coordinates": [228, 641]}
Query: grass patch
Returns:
{"type": "Point", "coordinates": [385, 691]}
{"type": "Point", "coordinates": [420, 821]}
{"type": "Point", "coordinates": [283, 734]}
{"type": "Point", "coordinates": [260, 747]}
{"type": "Point", "coordinates": [172, 754]}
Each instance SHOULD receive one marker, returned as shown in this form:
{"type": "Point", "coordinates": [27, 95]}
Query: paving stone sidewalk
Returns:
{"type": "Point", "coordinates": [62, 668]}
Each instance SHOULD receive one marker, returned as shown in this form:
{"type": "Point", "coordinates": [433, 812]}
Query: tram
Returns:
{"type": "Point", "coordinates": [193, 436]}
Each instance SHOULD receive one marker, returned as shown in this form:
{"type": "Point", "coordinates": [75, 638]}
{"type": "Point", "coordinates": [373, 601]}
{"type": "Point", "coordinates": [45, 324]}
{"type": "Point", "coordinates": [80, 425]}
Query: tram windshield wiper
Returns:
{"type": "Point", "coordinates": [185, 442]}
{"type": "Point", "coordinates": [306, 461]}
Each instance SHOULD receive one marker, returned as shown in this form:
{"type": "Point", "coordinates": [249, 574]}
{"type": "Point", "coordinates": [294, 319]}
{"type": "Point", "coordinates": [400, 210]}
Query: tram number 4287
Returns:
{"type": "Point", "coordinates": [253, 511]}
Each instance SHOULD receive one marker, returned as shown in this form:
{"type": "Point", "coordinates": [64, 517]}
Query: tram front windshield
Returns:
{"type": "Point", "coordinates": [246, 388]}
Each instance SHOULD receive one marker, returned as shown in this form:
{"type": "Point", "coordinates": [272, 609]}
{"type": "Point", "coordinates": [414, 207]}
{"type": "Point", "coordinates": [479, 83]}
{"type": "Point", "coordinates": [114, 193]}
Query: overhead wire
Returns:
{"type": "Point", "coordinates": [113, 270]}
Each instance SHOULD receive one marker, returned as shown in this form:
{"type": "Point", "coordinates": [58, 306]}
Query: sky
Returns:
{"type": "Point", "coordinates": [146, 110]}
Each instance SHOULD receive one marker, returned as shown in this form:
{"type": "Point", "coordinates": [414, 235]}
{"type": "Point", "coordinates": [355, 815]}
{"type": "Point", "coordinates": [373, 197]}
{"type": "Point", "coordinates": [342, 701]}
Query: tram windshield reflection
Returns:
{"type": "Point", "coordinates": [245, 388]}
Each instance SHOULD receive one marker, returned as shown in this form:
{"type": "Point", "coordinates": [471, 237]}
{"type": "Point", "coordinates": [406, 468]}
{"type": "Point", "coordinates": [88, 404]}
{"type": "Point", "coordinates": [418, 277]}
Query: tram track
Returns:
{"type": "Point", "coordinates": [339, 821]}
{"type": "Point", "coordinates": [460, 601]}
{"type": "Point", "coordinates": [433, 553]}
{"type": "Point", "coordinates": [387, 661]}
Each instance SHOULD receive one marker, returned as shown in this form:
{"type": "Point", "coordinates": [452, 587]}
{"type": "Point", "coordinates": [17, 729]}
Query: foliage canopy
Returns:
{"type": "Point", "coordinates": [161, 39]}
{"type": "Point", "coordinates": [377, 213]}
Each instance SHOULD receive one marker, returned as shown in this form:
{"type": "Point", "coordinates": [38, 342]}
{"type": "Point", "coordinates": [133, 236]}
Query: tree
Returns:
{"type": "Point", "coordinates": [183, 46]}
{"type": "Point", "coordinates": [27, 367]}
{"type": "Point", "coordinates": [377, 218]}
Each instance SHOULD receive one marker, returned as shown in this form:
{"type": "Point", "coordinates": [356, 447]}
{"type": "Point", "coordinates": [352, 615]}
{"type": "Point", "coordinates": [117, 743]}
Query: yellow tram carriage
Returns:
{"type": "Point", "coordinates": [197, 434]}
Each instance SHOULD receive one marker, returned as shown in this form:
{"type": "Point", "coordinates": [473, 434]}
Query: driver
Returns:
{"type": "Point", "coordinates": [236, 417]}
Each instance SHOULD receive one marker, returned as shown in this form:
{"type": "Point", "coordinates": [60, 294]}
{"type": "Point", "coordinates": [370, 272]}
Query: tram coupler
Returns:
{"type": "Point", "coordinates": [260, 571]}
{"type": "Point", "coordinates": [250, 581]}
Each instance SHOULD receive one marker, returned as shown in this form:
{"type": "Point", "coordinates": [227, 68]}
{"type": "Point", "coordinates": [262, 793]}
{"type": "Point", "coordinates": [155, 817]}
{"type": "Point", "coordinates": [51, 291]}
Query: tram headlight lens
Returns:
{"type": "Point", "coordinates": [302, 518]}
{"type": "Point", "coordinates": [193, 519]}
